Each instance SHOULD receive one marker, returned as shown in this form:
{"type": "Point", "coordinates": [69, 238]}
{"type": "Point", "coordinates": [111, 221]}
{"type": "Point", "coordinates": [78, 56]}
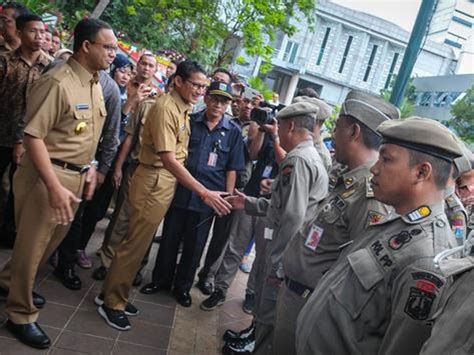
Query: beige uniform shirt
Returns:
{"type": "Point", "coordinates": [345, 214]}
{"type": "Point", "coordinates": [66, 109]}
{"type": "Point", "coordinates": [382, 292]}
{"type": "Point", "coordinates": [135, 126]}
{"type": "Point", "coordinates": [166, 130]}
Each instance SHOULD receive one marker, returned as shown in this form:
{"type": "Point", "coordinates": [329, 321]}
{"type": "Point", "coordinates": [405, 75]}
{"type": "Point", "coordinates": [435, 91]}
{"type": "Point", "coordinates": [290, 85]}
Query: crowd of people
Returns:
{"type": "Point", "coordinates": [367, 249]}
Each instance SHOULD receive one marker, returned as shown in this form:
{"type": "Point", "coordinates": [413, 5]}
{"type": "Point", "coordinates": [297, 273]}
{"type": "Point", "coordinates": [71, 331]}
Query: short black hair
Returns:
{"type": "Point", "coordinates": [22, 20]}
{"type": "Point", "coordinates": [441, 168]}
{"type": "Point", "coordinates": [86, 30]}
{"type": "Point", "coordinates": [225, 71]}
{"type": "Point", "coordinates": [187, 68]}
{"type": "Point", "coordinates": [310, 92]}
{"type": "Point", "coordinates": [19, 9]}
{"type": "Point", "coordinates": [371, 139]}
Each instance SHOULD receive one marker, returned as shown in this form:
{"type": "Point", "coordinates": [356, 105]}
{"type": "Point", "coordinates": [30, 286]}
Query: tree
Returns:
{"type": "Point", "coordinates": [407, 105]}
{"type": "Point", "coordinates": [463, 117]}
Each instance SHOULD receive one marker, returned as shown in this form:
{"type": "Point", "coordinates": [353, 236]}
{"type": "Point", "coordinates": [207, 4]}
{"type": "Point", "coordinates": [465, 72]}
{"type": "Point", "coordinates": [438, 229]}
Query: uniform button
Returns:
{"type": "Point", "coordinates": [349, 181]}
{"type": "Point", "coordinates": [440, 223]}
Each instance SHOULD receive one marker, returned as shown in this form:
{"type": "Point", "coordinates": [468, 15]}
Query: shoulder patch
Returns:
{"type": "Point", "coordinates": [397, 241]}
{"type": "Point", "coordinates": [419, 213]}
{"type": "Point", "coordinates": [286, 174]}
{"type": "Point", "coordinates": [419, 303]}
{"type": "Point", "coordinates": [374, 217]}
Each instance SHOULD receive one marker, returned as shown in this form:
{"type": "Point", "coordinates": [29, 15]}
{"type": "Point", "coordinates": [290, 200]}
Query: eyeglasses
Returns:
{"type": "Point", "coordinates": [197, 86]}
{"type": "Point", "coordinates": [107, 47]}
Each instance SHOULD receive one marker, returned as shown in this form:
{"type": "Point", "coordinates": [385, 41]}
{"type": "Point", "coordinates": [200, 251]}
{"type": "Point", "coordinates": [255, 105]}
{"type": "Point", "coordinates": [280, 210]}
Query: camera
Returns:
{"type": "Point", "coordinates": [265, 113]}
{"type": "Point", "coordinates": [262, 116]}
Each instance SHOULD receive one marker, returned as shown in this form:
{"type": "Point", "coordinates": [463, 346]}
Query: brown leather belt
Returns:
{"type": "Point", "coordinates": [82, 169]}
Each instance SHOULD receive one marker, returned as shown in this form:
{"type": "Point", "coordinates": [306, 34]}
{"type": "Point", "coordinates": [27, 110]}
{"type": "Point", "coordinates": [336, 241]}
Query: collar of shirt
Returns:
{"type": "Point", "coordinates": [42, 58]}
{"type": "Point", "coordinates": [224, 122]}
{"type": "Point", "coordinates": [84, 75]}
{"type": "Point", "coordinates": [180, 104]}
{"type": "Point", "coordinates": [349, 178]}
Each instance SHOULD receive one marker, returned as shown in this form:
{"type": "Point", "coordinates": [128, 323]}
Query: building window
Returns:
{"type": "Point", "coordinates": [371, 62]}
{"type": "Point", "coordinates": [291, 50]}
{"type": "Point", "coordinates": [392, 69]}
{"type": "Point", "coordinates": [346, 52]}
{"type": "Point", "coordinates": [462, 21]}
{"type": "Point", "coordinates": [452, 43]}
{"type": "Point", "coordinates": [323, 46]}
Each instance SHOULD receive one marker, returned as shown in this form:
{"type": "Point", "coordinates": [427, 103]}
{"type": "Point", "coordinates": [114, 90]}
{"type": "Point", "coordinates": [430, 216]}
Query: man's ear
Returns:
{"type": "Point", "coordinates": [424, 171]}
{"type": "Point", "coordinates": [355, 132]}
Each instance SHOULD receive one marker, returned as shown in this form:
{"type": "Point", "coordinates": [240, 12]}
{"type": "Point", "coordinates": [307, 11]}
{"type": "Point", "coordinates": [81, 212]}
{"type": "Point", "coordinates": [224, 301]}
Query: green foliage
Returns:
{"type": "Point", "coordinates": [407, 105]}
{"type": "Point", "coordinates": [463, 117]}
{"type": "Point", "coordinates": [258, 84]}
{"type": "Point", "coordinates": [330, 123]}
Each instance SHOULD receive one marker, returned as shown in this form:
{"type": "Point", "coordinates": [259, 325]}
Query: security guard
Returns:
{"type": "Point", "coordinates": [162, 155]}
{"type": "Point", "coordinates": [454, 328]}
{"type": "Point", "coordinates": [65, 115]}
{"type": "Point", "coordinates": [379, 296]}
{"type": "Point", "coordinates": [455, 210]}
{"type": "Point", "coordinates": [300, 185]}
{"type": "Point", "coordinates": [341, 216]}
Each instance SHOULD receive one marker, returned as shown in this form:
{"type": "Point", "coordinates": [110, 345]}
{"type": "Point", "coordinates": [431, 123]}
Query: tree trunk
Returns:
{"type": "Point", "coordinates": [99, 8]}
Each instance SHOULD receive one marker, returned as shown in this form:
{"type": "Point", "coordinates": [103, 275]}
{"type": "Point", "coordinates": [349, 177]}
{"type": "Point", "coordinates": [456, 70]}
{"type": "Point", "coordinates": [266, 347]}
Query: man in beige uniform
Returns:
{"type": "Point", "coordinates": [65, 115]}
{"type": "Point", "coordinates": [379, 297]}
{"type": "Point", "coordinates": [342, 215]}
{"type": "Point", "coordinates": [118, 226]}
{"type": "Point", "coordinates": [162, 155]}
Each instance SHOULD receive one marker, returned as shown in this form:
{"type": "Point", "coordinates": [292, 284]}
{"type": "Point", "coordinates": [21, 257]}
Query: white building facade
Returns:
{"type": "Point", "coordinates": [347, 49]}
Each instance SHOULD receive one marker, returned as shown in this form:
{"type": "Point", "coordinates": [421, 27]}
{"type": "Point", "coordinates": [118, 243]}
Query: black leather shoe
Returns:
{"type": "Point", "coordinates": [30, 334]}
{"type": "Point", "coordinates": [38, 300]}
{"type": "Point", "coordinates": [151, 288]}
{"type": "Point", "coordinates": [68, 278]}
{"type": "Point", "coordinates": [183, 298]}
{"type": "Point", "coordinates": [205, 287]}
{"type": "Point", "coordinates": [100, 273]}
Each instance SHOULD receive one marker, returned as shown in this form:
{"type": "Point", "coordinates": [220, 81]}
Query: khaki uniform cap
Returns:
{"type": "Point", "coordinates": [422, 134]}
{"type": "Point", "coordinates": [369, 109]}
{"type": "Point", "coordinates": [324, 109]}
{"type": "Point", "coordinates": [305, 107]}
{"type": "Point", "coordinates": [466, 162]}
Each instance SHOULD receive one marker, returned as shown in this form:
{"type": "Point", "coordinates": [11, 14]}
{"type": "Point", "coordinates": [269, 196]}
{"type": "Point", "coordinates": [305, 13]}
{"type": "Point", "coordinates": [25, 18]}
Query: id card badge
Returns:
{"type": "Point", "coordinates": [313, 237]}
{"type": "Point", "coordinates": [212, 161]}
{"type": "Point", "coordinates": [267, 172]}
{"type": "Point", "coordinates": [268, 233]}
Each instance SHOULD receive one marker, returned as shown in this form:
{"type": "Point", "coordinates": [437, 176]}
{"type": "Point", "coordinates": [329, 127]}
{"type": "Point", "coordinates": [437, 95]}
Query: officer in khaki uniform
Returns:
{"type": "Point", "coordinates": [379, 297]}
{"type": "Point", "coordinates": [299, 187]}
{"type": "Point", "coordinates": [341, 217]}
{"type": "Point", "coordinates": [162, 156]}
{"type": "Point", "coordinates": [65, 115]}
{"type": "Point", "coordinates": [119, 223]}
{"type": "Point", "coordinates": [455, 210]}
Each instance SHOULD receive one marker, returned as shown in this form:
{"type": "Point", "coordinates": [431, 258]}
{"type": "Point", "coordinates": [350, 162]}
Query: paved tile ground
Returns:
{"type": "Point", "coordinates": [71, 321]}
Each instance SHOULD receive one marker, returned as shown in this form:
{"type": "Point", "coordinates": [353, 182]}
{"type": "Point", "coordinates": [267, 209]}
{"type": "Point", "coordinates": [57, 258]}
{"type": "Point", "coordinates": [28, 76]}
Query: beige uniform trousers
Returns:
{"type": "Point", "coordinates": [151, 192]}
{"type": "Point", "coordinates": [118, 226]}
{"type": "Point", "coordinates": [38, 236]}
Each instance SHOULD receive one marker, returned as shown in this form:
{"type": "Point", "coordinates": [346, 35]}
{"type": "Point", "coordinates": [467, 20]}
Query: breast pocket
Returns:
{"type": "Point", "coordinates": [355, 290]}
{"type": "Point", "coordinates": [85, 115]}
{"type": "Point", "coordinates": [222, 157]}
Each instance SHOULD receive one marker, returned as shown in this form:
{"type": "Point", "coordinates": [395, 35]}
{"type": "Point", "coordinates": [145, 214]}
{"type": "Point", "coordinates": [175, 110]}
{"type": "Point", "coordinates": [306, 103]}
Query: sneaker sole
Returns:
{"type": "Point", "coordinates": [100, 302]}
{"type": "Point", "coordinates": [113, 325]}
{"type": "Point", "coordinates": [204, 308]}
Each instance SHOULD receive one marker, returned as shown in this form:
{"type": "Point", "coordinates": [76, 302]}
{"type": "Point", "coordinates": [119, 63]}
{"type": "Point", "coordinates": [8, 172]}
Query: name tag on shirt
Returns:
{"type": "Point", "coordinates": [82, 106]}
{"type": "Point", "coordinates": [268, 233]}
{"type": "Point", "coordinates": [267, 171]}
{"type": "Point", "coordinates": [313, 237]}
{"type": "Point", "coordinates": [212, 161]}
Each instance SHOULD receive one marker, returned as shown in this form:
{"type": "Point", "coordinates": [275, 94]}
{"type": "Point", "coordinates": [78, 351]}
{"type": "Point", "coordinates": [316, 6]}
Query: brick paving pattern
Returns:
{"type": "Point", "coordinates": [162, 327]}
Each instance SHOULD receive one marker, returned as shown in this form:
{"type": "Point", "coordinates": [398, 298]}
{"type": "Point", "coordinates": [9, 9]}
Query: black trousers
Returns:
{"type": "Point", "coordinates": [7, 227]}
{"type": "Point", "coordinates": [187, 226]}
{"type": "Point", "coordinates": [87, 216]}
{"type": "Point", "coordinates": [220, 237]}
